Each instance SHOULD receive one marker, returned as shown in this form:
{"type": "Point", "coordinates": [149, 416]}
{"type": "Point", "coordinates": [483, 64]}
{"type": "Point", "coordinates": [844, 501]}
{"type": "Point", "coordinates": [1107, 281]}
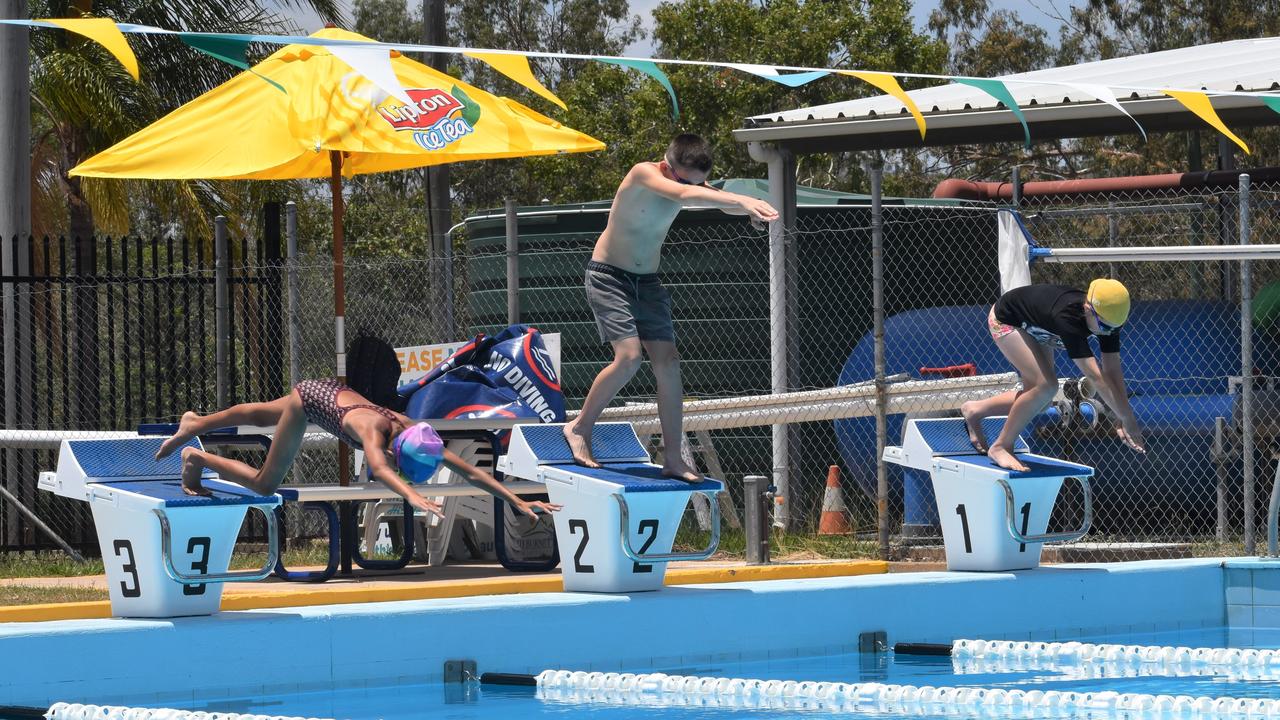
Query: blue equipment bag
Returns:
{"type": "Point", "coordinates": [506, 375]}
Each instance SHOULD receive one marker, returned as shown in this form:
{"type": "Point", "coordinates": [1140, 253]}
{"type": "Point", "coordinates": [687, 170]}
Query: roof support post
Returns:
{"type": "Point", "coordinates": [782, 195]}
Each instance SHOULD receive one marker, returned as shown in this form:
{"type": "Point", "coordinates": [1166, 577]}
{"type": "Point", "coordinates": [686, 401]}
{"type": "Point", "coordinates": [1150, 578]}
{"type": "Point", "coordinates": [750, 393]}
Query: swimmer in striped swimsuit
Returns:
{"type": "Point", "coordinates": [397, 448]}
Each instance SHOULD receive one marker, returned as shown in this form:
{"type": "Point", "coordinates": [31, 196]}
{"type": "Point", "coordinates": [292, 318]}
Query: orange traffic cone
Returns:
{"type": "Point", "coordinates": [835, 516]}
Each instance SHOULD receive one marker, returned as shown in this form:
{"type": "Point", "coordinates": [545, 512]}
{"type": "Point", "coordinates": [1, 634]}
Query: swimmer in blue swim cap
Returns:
{"type": "Point", "coordinates": [398, 450]}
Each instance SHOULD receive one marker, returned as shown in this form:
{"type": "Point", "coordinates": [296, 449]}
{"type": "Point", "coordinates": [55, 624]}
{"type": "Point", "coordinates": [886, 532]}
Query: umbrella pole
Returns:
{"type": "Point", "coordinates": [346, 524]}
{"type": "Point", "coordinates": [339, 295]}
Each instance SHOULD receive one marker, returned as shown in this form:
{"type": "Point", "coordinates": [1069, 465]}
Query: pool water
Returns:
{"type": "Point", "coordinates": [473, 702]}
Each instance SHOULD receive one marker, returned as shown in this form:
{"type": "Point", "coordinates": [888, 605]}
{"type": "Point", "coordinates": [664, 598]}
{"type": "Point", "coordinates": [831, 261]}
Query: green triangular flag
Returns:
{"type": "Point", "coordinates": [997, 90]}
{"type": "Point", "coordinates": [652, 70]}
{"type": "Point", "coordinates": [227, 48]}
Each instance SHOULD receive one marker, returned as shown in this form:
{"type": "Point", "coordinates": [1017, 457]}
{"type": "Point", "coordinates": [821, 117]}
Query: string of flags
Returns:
{"type": "Point", "coordinates": [373, 61]}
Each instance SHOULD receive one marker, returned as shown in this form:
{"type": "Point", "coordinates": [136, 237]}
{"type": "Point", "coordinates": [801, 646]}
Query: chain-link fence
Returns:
{"type": "Point", "coordinates": [754, 316]}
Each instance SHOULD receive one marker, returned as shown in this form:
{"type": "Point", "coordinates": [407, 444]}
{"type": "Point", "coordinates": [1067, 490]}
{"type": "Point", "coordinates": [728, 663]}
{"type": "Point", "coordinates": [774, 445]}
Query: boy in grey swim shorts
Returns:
{"type": "Point", "coordinates": [632, 308]}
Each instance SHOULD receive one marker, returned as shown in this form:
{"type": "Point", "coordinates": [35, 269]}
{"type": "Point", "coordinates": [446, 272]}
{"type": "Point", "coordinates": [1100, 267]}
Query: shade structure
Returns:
{"type": "Point", "coordinates": [306, 112]}
{"type": "Point", "coordinates": [247, 128]}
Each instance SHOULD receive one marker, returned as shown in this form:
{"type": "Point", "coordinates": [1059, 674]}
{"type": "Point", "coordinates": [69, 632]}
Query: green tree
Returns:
{"type": "Point", "coordinates": [588, 27]}
{"type": "Point", "coordinates": [84, 101]}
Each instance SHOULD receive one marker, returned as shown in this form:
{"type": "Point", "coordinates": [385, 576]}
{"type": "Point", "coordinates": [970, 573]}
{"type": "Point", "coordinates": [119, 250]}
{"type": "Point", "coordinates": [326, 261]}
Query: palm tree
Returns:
{"type": "Point", "coordinates": [83, 101]}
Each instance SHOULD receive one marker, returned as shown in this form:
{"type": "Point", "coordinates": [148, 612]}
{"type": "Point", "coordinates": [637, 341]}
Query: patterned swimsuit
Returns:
{"type": "Point", "coordinates": [320, 405]}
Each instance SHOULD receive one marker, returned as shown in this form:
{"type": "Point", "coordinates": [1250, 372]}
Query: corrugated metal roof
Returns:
{"type": "Point", "coordinates": [1238, 65]}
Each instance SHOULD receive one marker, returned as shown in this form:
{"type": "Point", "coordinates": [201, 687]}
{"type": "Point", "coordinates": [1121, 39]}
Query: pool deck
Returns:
{"type": "Point", "coordinates": [450, 581]}
{"type": "Point", "coordinates": [296, 649]}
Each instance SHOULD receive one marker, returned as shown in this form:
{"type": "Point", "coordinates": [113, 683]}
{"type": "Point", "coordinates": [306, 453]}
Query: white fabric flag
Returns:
{"type": "Point", "coordinates": [374, 64]}
{"type": "Point", "coordinates": [1013, 252]}
{"type": "Point", "coordinates": [1105, 94]}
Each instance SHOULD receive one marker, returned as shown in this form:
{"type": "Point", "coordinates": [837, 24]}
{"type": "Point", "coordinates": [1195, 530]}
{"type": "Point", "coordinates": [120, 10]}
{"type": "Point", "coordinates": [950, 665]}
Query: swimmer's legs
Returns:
{"type": "Point", "coordinates": [260, 413]}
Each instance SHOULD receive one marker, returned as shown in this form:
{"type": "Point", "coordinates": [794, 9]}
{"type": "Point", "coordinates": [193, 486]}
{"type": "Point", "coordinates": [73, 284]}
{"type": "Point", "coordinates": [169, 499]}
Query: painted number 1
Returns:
{"type": "Point", "coordinates": [964, 524]}
{"type": "Point", "coordinates": [1026, 520]}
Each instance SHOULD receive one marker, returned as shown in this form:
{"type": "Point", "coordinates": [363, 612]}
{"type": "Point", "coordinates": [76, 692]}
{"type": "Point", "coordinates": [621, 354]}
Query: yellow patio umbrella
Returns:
{"type": "Point", "coordinates": [305, 112]}
{"type": "Point", "coordinates": [330, 120]}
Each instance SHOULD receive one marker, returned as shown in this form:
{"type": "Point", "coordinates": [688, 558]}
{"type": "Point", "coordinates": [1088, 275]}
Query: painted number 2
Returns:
{"type": "Point", "coordinates": [201, 566]}
{"type": "Point", "coordinates": [575, 525]}
{"type": "Point", "coordinates": [124, 549]}
{"type": "Point", "coordinates": [652, 527]}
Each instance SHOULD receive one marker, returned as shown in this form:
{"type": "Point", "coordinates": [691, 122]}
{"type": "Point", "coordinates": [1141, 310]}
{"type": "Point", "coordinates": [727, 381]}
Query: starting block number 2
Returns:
{"type": "Point", "coordinates": [646, 526]}
{"type": "Point", "coordinates": [131, 586]}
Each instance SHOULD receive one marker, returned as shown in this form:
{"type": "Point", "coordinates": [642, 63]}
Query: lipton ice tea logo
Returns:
{"type": "Point", "coordinates": [435, 117]}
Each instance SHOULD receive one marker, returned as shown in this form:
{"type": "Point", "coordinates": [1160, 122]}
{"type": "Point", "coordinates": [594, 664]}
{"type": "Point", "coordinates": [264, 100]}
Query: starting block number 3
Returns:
{"type": "Point", "coordinates": [648, 529]}
{"type": "Point", "coordinates": [131, 586]}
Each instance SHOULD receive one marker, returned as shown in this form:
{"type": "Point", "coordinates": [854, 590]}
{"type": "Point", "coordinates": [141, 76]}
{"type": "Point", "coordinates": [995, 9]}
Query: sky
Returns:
{"type": "Point", "coordinates": [1031, 11]}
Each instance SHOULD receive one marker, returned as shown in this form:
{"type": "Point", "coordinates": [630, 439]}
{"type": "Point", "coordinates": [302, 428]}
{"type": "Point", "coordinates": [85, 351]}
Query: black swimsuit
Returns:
{"type": "Point", "coordinates": [320, 405]}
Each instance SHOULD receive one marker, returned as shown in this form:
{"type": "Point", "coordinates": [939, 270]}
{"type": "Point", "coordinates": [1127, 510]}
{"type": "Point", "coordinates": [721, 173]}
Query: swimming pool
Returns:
{"type": "Point", "coordinates": [386, 660]}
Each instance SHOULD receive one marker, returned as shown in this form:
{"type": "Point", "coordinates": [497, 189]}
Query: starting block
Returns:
{"type": "Point", "coordinates": [992, 518]}
{"type": "Point", "coordinates": [619, 521]}
{"type": "Point", "coordinates": [166, 552]}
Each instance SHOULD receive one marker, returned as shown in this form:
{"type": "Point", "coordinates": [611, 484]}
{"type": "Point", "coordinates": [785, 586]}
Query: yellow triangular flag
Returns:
{"type": "Point", "coordinates": [889, 84]}
{"type": "Point", "coordinates": [105, 33]}
{"type": "Point", "coordinates": [517, 68]}
{"type": "Point", "coordinates": [1199, 104]}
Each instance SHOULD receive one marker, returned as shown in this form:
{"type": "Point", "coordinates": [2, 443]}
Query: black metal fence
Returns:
{"type": "Point", "coordinates": [104, 334]}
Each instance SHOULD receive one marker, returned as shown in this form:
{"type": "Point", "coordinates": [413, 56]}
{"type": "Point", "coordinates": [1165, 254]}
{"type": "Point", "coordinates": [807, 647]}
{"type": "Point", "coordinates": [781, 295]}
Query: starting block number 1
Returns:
{"type": "Point", "coordinates": [131, 586]}
{"type": "Point", "coordinates": [964, 524]}
{"type": "Point", "coordinates": [647, 529]}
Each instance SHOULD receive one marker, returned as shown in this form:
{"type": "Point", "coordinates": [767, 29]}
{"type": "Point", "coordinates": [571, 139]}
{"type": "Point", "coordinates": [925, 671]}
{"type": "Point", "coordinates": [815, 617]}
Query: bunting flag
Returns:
{"type": "Point", "coordinates": [889, 85]}
{"type": "Point", "coordinates": [361, 56]}
{"type": "Point", "coordinates": [650, 68]}
{"type": "Point", "coordinates": [1198, 103]}
{"type": "Point", "coordinates": [375, 65]}
{"type": "Point", "coordinates": [517, 68]}
{"type": "Point", "coordinates": [997, 90]}
{"type": "Point", "coordinates": [1104, 94]}
{"type": "Point", "coordinates": [233, 51]}
{"type": "Point", "coordinates": [105, 33]}
{"type": "Point", "coordinates": [768, 72]}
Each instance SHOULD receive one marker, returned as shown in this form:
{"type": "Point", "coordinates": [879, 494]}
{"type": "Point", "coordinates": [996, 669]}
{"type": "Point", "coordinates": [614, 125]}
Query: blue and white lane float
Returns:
{"type": "Point", "coordinates": [76, 711]}
{"type": "Point", "coordinates": [1014, 655]}
{"type": "Point", "coordinates": [661, 690]}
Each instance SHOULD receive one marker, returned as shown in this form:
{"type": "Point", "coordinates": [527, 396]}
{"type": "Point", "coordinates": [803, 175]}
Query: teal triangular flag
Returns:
{"type": "Point", "coordinates": [652, 70]}
{"type": "Point", "coordinates": [230, 49]}
{"type": "Point", "coordinates": [997, 90]}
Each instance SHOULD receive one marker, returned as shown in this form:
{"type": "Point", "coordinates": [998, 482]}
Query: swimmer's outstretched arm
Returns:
{"type": "Point", "coordinates": [487, 482]}
{"type": "Point", "coordinates": [376, 457]}
{"type": "Point", "coordinates": [1109, 379]}
{"type": "Point", "coordinates": [648, 176]}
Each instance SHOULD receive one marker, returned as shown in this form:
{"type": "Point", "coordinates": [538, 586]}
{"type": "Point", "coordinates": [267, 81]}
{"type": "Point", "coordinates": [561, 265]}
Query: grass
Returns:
{"type": "Point", "coordinates": [40, 594]}
{"type": "Point", "coordinates": [783, 547]}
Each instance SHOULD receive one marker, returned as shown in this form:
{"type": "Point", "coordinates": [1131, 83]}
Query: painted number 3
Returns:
{"type": "Point", "coordinates": [124, 549]}
{"type": "Point", "coordinates": [200, 565]}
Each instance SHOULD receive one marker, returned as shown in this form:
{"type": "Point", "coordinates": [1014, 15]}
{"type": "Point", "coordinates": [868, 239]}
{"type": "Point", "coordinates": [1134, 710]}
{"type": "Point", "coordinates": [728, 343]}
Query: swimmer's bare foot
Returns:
{"type": "Point", "coordinates": [1005, 459]}
{"type": "Point", "coordinates": [185, 432]}
{"type": "Point", "coordinates": [973, 423]}
{"type": "Point", "coordinates": [191, 468]}
{"type": "Point", "coordinates": [678, 470]}
{"type": "Point", "coordinates": [580, 445]}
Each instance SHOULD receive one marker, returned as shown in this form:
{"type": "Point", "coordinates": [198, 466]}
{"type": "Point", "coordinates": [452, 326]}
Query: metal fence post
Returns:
{"type": "Point", "coordinates": [876, 168]}
{"type": "Point", "coordinates": [513, 263]}
{"type": "Point", "coordinates": [754, 496]}
{"type": "Point", "coordinates": [222, 306]}
{"type": "Point", "coordinates": [1246, 368]}
{"type": "Point", "coordinates": [295, 330]}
